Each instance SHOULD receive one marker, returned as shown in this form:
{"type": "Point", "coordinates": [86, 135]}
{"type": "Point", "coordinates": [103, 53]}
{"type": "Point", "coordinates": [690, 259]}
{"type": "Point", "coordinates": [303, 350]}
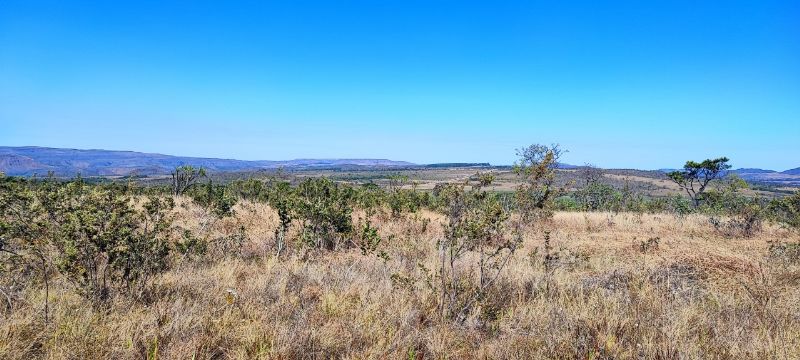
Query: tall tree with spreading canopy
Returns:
{"type": "Point", "coordinates": [695, 177]}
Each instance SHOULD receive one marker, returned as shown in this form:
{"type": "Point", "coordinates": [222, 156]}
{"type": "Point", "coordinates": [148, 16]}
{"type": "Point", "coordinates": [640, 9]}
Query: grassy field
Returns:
{"type": "Point", "coordinates": [606, 286]}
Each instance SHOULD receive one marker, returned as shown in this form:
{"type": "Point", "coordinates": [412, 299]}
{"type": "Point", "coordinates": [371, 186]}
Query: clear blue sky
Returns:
{"type": "Point", "coordinates": [645, 84]}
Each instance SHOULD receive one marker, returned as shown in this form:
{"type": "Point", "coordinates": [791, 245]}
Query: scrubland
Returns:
{"type": "Point", "coordinates": [603, 285]}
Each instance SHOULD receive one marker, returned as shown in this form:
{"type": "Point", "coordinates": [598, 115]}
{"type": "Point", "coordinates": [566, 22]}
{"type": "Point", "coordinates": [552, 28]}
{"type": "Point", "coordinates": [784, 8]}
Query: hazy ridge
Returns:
{"type": "Point", "coordinates": [30, 160]}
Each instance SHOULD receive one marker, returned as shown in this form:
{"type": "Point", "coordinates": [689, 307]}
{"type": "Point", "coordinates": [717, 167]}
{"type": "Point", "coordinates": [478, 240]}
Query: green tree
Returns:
{"type": "Point", "coordinates": [537, 166]}
{"type": "Point", "coordinates": [695, 177]}
{"type": "Point", "coordinates": [183, 177]}
{"type": "Point", "coordinates": [281, 198]}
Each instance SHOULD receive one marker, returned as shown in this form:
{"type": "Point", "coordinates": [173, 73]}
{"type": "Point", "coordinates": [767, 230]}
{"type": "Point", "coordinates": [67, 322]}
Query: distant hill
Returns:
{"type": "Point", "coordinates": [769, 176]}
{"type": "Point", "coordinates": [457, 165]}
{"type": "Point", "coordinates": [31, 160]}
{"type": "Point", "coordinates": [567, 166]}
{"type": "Point", "coordinates": [795, 171]}
{"type": "Point", "coordinates": [753, 171]}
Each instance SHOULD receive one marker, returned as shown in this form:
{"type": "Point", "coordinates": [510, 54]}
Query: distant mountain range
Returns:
{"type": "Point", "coordinates": [753, 171]}
{"type": "Point", "coordinates": [34, 160]}
{"type": "Point", "coordinates": [788, 177]}
{"type": "Point", "coordinates": [31, 160]}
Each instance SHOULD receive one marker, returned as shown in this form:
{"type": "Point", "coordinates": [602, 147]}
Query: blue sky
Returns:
{"type": "Point", "coordinates": [642, 84]}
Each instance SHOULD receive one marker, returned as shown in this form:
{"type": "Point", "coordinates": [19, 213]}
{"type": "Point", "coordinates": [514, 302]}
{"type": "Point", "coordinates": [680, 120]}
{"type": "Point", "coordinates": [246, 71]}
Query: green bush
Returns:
{"type": "Point", "coordinates": [283, 200]}
{"type": "Point", "coordinates": [745, 220]}
{"type": "Point", "coordinates": [213, 198]}
{"type": "Point", "coordinates": [401, 200]}
{"type": "Point", "coordinates": [680, 205]}
{"type": "Point", "coordinates": [94, 235]}
{"type": "Point", "coordinates": [567, 203]}
{"type": "Point", "coordinates": [786, 210]}
{"type": "Point", "coordinates": [370, 198]}
{"type": "Point", "coordinates": [536, 168]}
{"type": "Point", "coordinates": [475, 223]}
{"type": "Point", "coordinates": [250, 189]}
{"type": "Point", "coordinates": [325, 208]}
{"type": "Point", "coordinates": [597, 196]}
{"type": "Point", "coordinates": [104, 241]}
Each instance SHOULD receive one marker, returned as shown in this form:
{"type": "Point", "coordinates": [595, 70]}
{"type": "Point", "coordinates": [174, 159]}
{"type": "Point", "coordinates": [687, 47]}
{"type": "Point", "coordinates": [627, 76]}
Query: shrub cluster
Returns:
{"type": "Point", "coordinates": [100, 239]}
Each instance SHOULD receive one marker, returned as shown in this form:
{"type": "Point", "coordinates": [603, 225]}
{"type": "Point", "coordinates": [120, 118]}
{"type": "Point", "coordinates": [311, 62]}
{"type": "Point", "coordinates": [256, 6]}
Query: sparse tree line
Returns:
{"type": "Point", "coordinates": [707, 188]}
{"type": "Point", "coordinates": [109, 240]}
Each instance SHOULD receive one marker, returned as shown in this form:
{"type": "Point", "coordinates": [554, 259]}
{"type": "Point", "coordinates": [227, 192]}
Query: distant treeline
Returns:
{"type": "Point", "coordinates": [457, 165]}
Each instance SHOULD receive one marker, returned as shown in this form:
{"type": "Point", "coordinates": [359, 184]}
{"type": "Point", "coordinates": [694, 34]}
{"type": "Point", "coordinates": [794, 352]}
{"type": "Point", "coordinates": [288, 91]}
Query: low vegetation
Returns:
{"type": "Point", "coordinates": [315, 268]}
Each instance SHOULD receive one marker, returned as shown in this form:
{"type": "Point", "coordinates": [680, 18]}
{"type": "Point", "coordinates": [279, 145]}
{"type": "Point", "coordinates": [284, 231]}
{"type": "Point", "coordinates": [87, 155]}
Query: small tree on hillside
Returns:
{"type": "Point", "coordinates": [475, 223]}
{"type": "Point", "coordinates": [184, 177]}
{"type": "Point", "coordinates": [325, 208]}
{"type": "Point", "coordinates": [281, 198]}
{"type": "Point", "coordinates": [25, 236]}
{"type": "Point", "coordinates": [537, 167]}
{"type": "Point", "coordinates": [695, 177]}
{"type": "Point", "coordinates": [591, 174]}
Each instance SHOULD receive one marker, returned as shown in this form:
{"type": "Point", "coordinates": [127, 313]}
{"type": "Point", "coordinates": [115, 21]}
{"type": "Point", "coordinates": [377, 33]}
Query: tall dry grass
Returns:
{"type": "Point", "coordinates": [619, 286]}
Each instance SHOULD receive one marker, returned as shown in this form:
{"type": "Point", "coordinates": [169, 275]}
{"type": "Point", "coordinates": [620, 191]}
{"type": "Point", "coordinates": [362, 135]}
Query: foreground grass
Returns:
{"type": "Point", "coordinates": [620, 286]}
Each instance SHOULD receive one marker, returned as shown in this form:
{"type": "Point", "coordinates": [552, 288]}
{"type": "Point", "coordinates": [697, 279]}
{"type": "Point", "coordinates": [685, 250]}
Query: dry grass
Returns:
{"type": "Point", "coordinates": [687, 294]}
